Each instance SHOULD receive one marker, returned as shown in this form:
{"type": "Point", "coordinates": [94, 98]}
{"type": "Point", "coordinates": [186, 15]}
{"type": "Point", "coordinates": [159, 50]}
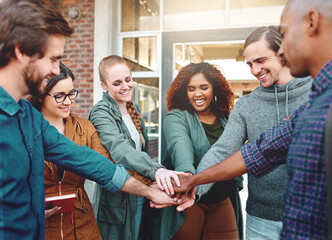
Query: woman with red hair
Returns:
{"type": "Point", "coordinates": [199, 101]}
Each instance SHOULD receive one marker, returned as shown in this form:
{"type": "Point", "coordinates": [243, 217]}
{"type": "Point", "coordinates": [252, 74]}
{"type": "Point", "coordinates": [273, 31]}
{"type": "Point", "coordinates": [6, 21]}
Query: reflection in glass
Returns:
{"type": "Point", "coordinates": [140, 15]}
{"type": "Point", "coordinates": [141, 53]}
{"type": "Point", "coordinates": [153, 147]}
{"type": "Point", "coordinates": [146, 95]}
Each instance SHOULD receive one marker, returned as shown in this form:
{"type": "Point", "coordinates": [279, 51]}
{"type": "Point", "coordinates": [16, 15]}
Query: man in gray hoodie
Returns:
{"type": "Point", "coordinates": [278, 95]}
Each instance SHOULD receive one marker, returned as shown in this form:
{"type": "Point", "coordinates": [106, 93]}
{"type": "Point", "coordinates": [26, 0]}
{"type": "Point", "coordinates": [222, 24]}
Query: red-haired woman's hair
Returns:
{"type": "Point", "coordinates": [223, 97]}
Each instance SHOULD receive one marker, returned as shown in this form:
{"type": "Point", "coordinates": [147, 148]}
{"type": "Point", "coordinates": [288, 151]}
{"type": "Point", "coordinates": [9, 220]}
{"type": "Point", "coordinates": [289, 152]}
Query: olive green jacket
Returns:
{"type": "Point", "coordinates": [186, 140]}
{"type": "Point", "coordinates": [116, 211]}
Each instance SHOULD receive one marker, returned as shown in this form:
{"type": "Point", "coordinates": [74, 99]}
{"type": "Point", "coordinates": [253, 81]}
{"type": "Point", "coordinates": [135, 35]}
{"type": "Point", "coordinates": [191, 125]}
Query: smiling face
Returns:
{"type": "Point", "coordinates": [119, 83]}
{"type": "Point", "coordinates": [264, 63]}
{"type": "Point", "coordinates": [39, 70]}
{"type": "Point", "coordinates": [200, 93]}
{"type": "Point", "coordinates": [50, 108]}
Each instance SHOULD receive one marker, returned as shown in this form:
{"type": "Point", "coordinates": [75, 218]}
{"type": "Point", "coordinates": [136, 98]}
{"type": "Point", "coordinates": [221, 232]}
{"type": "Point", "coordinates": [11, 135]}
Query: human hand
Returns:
{"type": "Point", "coordinates": [154, 185]}
{"type": "Point", "coordinates": [164, 178]}
{"type": "Point", "coordinates": [186, 183]}
{"type": "Point", "coordinates": [178, 196]}
{"type": "Point", "coordinates": [186, 200]}
{"type": "Point", "coordinates": [159, 197]}
{"type": "Point", "coordinates": [50, 212]}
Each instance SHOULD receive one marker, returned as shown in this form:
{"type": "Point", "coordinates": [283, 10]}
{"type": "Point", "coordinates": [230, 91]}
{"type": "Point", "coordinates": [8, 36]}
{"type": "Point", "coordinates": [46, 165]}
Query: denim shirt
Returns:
{"type": "Point", "coordinates": [26, 140]}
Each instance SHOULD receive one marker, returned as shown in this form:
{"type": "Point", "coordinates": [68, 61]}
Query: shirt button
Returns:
{"type": "Point", "coordinates": [308, 105]}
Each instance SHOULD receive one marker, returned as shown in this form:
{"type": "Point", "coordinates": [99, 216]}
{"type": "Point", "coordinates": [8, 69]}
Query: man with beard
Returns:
{"type": "Point", "coordinates": [32, 38]}
{"type": "Point", "coordinates": [306, 27]}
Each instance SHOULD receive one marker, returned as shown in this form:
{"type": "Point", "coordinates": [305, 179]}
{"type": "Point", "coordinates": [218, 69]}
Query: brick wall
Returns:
{"type": "Point", "coordinates": [79, 51]}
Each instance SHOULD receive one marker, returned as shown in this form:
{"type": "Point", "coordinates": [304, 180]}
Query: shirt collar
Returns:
{"type": "Point", "coordinates": [8, 104]}
{"type": "Point", "coordinates": [322, 80]}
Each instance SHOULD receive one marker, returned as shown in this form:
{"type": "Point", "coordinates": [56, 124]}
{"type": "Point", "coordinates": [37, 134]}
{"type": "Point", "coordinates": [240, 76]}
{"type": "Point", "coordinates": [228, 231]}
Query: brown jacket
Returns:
{"type": "Point", "coordinates": [84, 225]}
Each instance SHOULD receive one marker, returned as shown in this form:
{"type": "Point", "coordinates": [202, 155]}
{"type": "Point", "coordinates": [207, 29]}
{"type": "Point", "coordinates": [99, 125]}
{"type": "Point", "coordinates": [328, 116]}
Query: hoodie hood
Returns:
{"type": "Point", "coordinates": [284, 93]}
{"type": "Point", "coordinates": [295, 88]}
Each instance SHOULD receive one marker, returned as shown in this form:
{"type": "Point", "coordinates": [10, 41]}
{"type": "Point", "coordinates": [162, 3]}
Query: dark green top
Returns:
{"type": "Point", "coordinates": [221, 190]}
{"type": "Point", "coordinates": [213, 131]}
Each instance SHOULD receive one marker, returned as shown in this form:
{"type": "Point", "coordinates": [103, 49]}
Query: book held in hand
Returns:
{"type": "Point", "coordinates": [66, 202]}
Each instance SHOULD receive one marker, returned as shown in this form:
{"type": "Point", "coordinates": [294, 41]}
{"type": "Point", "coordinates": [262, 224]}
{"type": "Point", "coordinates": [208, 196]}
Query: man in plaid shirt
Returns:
{"type": "Point", "coordinates": [306, 27]}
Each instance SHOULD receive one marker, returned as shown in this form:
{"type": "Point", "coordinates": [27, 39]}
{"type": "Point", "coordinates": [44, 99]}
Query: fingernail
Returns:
{"type": "Point", "coordinates": [175, 199]}
{"type": "Point", "coordinates": [58, 208]}
{"type": "Point", "coordinates": [179, 200]}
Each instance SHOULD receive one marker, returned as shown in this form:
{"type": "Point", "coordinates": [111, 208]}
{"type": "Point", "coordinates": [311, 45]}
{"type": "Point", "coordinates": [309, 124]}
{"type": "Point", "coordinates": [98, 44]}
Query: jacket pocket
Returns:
{"type": "Point", "coordinates": [112, 207]}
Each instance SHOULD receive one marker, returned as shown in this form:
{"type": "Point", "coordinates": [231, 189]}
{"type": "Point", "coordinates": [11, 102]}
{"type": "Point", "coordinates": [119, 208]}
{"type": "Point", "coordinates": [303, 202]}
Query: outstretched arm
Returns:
{"type": "Point", "coordinates": [134, 186]}
{"type": "Point", "coordinates": [231, 140]}
{"type": "Point", "coordinates": [231, 167]}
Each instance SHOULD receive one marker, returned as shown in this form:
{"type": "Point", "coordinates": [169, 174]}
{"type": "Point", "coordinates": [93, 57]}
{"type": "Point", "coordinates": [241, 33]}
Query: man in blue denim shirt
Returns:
{"type": "Point", "coordinates": [306, 27]}
{"type": "Point", "coordinates": [32, 38]}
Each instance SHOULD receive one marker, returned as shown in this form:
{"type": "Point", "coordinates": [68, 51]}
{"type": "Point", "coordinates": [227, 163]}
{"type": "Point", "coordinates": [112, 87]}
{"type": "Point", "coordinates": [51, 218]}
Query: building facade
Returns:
{"type": "Point", "coordinates": [157, 38]}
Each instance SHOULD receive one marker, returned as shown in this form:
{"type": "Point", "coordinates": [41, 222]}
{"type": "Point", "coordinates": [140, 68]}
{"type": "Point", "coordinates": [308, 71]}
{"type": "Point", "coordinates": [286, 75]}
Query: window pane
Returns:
{"type": "Point", "coordinates": [253, 12]}
{"type": "Point", "coordinates": [178, 57]}
{"type": "Point", "coordinates": [140, 15]}
{"type": "Point", "coordinates": [255, 3]}
{"type": "Point", "coordinates": [141, 53]}
{"type": "Point", "coordinates": [153, 148]}
{"type": "Point", "coordinates": [146, 95]}
{"type": "Point", "coordinates": [193, 14]}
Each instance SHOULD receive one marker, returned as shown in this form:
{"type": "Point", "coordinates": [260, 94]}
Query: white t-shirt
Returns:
{"type": "Point", "coordinates": [133, 131]}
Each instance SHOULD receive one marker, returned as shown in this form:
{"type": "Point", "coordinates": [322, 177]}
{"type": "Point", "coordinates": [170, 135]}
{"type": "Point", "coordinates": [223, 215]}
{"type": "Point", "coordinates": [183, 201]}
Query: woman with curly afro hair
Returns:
{"type": "Point", "coordinates": [199, 101]}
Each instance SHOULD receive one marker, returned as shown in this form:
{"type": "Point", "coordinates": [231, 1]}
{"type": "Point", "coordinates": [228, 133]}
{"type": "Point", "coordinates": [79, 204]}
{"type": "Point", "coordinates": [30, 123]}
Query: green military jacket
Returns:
{"type": "Point", "coordinates": [115, 216]}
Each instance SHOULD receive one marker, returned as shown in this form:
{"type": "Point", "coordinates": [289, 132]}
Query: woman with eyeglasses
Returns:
{"type": "Point", "coordinates": [55, 107]}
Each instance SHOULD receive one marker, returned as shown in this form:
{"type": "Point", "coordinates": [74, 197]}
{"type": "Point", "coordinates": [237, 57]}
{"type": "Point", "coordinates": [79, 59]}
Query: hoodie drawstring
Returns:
{"type": "Point", "coordinates": [277, 103]}
{"type": "Point", "coordinates": [287, 114]}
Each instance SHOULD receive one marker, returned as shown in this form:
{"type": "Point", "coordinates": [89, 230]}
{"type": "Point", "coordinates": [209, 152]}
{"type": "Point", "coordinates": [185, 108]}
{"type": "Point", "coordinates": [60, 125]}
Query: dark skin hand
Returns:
{"type": "Point", "coordinates": [186, 184]}
{"type": "Point", "coordinates": [231, 167]}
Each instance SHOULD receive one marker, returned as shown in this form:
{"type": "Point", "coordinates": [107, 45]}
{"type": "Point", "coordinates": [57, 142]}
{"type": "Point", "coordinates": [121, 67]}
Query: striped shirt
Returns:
{"type": "Point", "coordinates": [299, 142]}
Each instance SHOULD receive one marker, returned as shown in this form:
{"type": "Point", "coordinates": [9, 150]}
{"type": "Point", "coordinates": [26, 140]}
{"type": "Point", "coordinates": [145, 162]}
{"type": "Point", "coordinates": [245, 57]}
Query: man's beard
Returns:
{"type": "Point", "coordinates": [33, 80]}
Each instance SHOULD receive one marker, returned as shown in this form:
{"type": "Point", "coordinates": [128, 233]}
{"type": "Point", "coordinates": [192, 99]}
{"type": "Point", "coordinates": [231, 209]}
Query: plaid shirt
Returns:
{"type": "Point", "coordinates": [300, 143]}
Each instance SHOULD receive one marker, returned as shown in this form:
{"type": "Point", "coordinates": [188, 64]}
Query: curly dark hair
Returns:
{"type": "Point", "coordinates": [223, 97]}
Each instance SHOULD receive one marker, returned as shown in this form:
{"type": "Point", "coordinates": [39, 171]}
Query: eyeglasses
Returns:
{"type": "Point", "coordinates": [59, 98]}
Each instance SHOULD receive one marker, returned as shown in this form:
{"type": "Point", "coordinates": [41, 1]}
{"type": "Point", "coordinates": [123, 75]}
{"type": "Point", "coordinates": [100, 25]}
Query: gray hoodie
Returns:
{"type": "Point", "coordinates": [251, 116]}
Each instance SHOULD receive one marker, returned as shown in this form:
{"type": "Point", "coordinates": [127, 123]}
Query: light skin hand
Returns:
{"type": "Point", "coordinates": [136, 187]}
{"type": "Point", "coordinates": [160, 197]}
{"type": "Point", "coordinates": [50, 212]}
{"type": "Point", "coordinates": [186, 200]}
{"type": "Point", "coordinates": [164, 178]}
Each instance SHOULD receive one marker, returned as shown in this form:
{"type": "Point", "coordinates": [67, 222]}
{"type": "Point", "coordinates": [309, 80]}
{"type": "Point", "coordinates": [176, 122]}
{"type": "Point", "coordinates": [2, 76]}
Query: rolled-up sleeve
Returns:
{"type": "Point", "coordinates": [81, 160]}
{"type": "Point", "coordinates": [119, 178]}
